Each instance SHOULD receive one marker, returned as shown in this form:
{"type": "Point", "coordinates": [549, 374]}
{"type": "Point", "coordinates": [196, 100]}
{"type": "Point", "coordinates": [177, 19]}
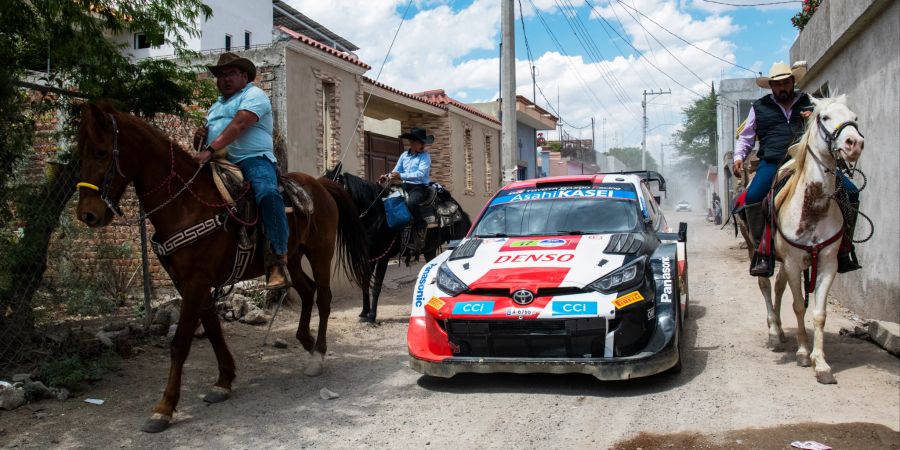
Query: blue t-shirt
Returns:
{"type": "Point", "coordinates": [414, 169]}
{"type": "Point", "coordinates": [257, 139]}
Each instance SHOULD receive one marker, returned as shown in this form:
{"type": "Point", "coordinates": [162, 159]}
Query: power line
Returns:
{"type": "Point", "coordinates": [590, 47]}
{"type": "Point", "coordinates": [611, 39]}
{"type": "Point", "coordinates": [685, 40]}
{"type": "Point", "coordinates": [559, 47]}
{"type": "Point", "coordinates": [661, 44]}
{"type": "Point", "coordinates": [754, 4]}
{"type": "Point", "coordinates": [642, 54]}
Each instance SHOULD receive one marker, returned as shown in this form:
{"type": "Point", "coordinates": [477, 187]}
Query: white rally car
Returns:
{"type": "Point", "coordinates": [575, 274]}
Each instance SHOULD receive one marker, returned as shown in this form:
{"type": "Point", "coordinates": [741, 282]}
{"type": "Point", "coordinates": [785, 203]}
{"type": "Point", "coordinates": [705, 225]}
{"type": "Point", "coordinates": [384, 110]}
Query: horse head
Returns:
{"type": "Point", "coordinates": [835, 129]}
{"type": "Point", "coordinates": [104, 174]}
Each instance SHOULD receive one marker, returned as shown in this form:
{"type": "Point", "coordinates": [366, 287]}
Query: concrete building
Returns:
{"type": "Point", "coordinates": [736, 97]}
{"type": "Point", "coordinates": [530, 118]}
{"type": "Point", "coordinates": [853, 48]}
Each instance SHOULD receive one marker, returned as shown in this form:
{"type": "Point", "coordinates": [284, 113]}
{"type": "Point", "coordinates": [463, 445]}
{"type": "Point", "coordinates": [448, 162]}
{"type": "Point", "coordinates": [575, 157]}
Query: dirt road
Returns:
{"type": "Point", "coordinates": [730, 382]}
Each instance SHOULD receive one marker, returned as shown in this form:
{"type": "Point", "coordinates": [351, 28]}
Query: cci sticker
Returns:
{"type": "Point", "coordinates": [571, 308]}
{"type": "Point", "coordinates": [436, 303]}
{"type": "Point", "coordinates": [626, 300]}
{"type": "Point", "coordinates": [473, 308]}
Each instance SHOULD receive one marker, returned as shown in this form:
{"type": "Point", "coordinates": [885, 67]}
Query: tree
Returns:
{"type": "Point", "coordinates": [65, 46]}
{"type": "Point", "coordinates": [696, 141]}
{"type": "Point", "coordinates": [631, 157]}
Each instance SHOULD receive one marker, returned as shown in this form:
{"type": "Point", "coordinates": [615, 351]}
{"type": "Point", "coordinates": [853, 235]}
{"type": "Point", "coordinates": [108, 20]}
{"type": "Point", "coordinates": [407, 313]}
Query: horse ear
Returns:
{"type": "Point", "coordinates": [842, 99]}
{"type": "Point", "coordinates": [816, 102]}
{"type": "Point", "coordinates": [95, 114]}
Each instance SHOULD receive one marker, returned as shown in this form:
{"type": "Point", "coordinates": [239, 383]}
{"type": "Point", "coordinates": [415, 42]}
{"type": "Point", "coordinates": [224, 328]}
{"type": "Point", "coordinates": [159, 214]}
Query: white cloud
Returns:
{"type": "Point", "coordinates": [440, 47]}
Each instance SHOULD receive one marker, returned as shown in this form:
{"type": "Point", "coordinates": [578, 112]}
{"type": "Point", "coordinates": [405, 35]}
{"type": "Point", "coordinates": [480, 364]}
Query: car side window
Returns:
{"type": "Point", "coordinates": [651, 205]}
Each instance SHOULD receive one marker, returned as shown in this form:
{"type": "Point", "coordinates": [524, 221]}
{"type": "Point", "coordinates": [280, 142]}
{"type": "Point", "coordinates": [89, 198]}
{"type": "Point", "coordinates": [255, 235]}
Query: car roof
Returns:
{"type": "Point", "coordinates": [592, 178]}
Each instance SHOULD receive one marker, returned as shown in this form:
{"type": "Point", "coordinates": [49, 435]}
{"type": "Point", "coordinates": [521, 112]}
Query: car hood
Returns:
{"type": "Point", "coordinates": [537, 262]}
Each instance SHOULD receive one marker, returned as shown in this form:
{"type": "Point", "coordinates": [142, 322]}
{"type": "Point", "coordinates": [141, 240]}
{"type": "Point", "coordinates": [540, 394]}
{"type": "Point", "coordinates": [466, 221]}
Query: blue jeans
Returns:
{"type": "Point", "coordinates": [260, 172]}
{"type": "Point", "coordinates": [766, 172]}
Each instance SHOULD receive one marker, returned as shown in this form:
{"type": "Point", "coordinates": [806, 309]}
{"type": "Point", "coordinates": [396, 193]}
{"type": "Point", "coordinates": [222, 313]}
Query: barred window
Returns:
{"type": "Point", "coordinates": [488, 170]}
{"type": "Point", "coordinates": [467, 149]}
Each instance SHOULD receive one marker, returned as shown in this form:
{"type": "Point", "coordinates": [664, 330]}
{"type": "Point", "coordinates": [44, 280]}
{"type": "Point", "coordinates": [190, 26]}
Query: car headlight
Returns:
{"type": "Point", "coordinates": [448, 282]}
{"type": "Point", "coordinates": [620, 279]}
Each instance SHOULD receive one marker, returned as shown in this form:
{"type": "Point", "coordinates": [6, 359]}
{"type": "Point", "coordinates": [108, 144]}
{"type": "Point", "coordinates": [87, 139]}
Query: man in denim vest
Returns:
{"type": "Point", "coordinates": [239, 127]}
{"type": "Point", "coordinates": [778, 120]}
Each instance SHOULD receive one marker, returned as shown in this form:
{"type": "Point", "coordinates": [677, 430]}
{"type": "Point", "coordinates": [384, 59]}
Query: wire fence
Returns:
{"type": "Point", "coordinates": [61, 283]}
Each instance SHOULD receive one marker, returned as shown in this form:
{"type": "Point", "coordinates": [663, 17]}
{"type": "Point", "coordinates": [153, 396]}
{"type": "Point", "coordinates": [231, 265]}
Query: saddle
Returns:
{"type": "Point", "coordinates": [231, 185]}
{"type": "Point", "coordinates": [436, 212]}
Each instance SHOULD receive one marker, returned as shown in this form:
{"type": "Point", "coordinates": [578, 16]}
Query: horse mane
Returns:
{"type": "Point", "coordinates": [88, 127]}
{"type": "Point", "coordinates": [799, 152]}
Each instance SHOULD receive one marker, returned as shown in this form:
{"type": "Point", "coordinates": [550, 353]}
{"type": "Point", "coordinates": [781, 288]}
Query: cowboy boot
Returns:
{"type": "Point", "coordinates": [847, 261]}
{"type": "Point", "coordinates": [760, 265]}
{"type": "Point", "coordinates": [277, 276]}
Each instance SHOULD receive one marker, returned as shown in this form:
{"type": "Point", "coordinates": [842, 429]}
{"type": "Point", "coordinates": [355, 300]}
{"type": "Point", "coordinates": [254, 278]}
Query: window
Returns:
{"type": "Point", "coordinates": [328, 114]}
{"type": "Point", "coordinates": [247, 40]}
{"type": "Point", "coordinates": [467, 151]}
{"type": "Point", "coordinates": [140, 41]}
{"type": "Point", "coordinates": [227, 42]}
{"type": "Point", "coordinates": [488, 171]}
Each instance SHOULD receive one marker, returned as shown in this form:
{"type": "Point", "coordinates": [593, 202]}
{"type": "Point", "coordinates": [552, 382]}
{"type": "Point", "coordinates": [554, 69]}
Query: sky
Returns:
{"type": "Point", "coordinates": [592, 58]}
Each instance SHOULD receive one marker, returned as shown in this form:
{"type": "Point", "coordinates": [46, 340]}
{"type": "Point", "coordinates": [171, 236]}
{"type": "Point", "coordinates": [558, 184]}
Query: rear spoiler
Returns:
{"type": "Point", "coordinates": [648, 176]}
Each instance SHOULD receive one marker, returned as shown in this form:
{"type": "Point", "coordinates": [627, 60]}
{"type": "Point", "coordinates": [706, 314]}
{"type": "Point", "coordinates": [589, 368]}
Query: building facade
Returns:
{"type": "Point", "coordinates": [853, 48]}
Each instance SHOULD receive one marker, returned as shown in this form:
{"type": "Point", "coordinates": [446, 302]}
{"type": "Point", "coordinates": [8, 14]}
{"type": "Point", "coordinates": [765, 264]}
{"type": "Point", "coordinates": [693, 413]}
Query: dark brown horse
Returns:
{"type": "Point", "coordinates": [117, 149]}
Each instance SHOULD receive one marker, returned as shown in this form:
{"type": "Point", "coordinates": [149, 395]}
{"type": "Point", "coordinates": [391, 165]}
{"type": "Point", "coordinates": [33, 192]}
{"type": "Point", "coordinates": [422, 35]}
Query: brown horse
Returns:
{"type": "Point", "coordinates": [117, 149]}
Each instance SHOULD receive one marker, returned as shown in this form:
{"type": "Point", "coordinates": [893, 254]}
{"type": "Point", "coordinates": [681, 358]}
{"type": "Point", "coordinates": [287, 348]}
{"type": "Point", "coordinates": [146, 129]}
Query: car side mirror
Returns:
{"type": "Point", "coordinates": [682, 232]}
{"type": "Point", "coordinates": [658, 199]}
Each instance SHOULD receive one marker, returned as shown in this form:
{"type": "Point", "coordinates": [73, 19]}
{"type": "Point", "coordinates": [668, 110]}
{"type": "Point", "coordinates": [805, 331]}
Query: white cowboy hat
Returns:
{"type": "Point", "coordinates": [780, 71]}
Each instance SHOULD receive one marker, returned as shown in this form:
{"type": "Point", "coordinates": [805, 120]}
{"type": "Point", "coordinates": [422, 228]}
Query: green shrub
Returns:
{"type": "Point", "coordinates": [70, 371]}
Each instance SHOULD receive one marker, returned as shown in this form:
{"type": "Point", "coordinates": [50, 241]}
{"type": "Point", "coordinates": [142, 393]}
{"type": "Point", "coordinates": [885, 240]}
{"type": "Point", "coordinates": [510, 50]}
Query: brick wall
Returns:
{"type": "Point", "coordinates": [441, 150]}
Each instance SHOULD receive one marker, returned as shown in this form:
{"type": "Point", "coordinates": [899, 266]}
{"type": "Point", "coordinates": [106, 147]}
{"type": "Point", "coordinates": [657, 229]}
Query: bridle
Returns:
{"type": "Point", "coordinates": [113, 205]}
{"type": "Point", "coordinates": [831, 141]}
{"type": "Point", "coordinates": [115, 168]}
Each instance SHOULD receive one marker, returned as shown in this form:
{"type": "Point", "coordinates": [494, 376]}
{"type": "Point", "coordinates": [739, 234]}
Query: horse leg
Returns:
{"type": "Point", "coordinates": [765, 287]}
{"type": "Point", "coordinates": [221, 391]}
{"type": "Point", "coordinates": [322, 275]}
{"type": "Point", "coordinates": [365, 314]}
{"type": "Point", "coordinates": [306, 288]}
{"type": "Point", "coordinates": [380, 270]}
{"type": "Point", "coordinates": [178, 350]}
{"type": "Point", "coordinates": [794, 281]}
{"type": "Point", "coordinates": [826, 276]}
{"type": "Point", "coordinates": [780, 285]}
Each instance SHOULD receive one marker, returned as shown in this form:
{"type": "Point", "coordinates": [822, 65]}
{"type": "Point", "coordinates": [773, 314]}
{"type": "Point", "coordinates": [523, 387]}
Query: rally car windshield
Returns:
{"type": "Point", "coordinates": [531, 215]}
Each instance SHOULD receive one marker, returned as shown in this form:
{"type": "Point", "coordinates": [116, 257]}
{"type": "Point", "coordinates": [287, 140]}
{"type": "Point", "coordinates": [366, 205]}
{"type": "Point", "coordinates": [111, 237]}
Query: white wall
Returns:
{"type": "Point", "coordinates": [228, 17]}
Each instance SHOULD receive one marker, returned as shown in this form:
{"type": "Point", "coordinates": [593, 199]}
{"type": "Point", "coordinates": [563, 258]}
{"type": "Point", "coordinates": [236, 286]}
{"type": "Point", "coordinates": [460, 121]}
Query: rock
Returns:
{"type": "Point", "coordinates": [327, 394]}
{"type": "Point", "coordinates": [11, 398]}
{"type": "Point", "coordinates": [158, 329]}
{"type": "Point", "coordinates": [108, 338]}
{"type": "Point", "coordinates": [171, 334]}
{"type": "Point", "coordinates": [255, 316]}
{"type": "Point", "coordinates": [162, 316]}
{"type": "Point", "coordinates": [115, 325]}
{"type": "Point", "coordinates": [280, 343]}
{"type": "Point", "coordinates": [19, 377]}
{"type": "Point", "coordinates": [229, 316]}
{"type": "Point", "coordinates": [37, 390]}
{"type": "Point", "coordinates": [61, 394]}
{"type": "Point", "coordinates": [886, 334]}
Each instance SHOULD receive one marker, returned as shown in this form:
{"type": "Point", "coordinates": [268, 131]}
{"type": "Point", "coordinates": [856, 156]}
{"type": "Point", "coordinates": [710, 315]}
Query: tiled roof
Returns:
{"type": "Point", "coordinates": [318, 45]}
{"type": "Point", "coordinates": [441, 97]}
{"type": "Point", "coordinates": [404, 94]}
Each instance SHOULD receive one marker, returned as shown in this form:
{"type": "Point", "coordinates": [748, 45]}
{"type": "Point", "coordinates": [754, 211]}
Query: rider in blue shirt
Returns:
{"type": "Point", "coordinates": [413, 169]}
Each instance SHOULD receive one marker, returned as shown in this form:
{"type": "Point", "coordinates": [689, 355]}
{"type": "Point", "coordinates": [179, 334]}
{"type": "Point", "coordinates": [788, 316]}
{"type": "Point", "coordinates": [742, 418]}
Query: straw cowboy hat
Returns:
{"type": "Point", "coordinates": [418, 134]}
{"type": "Point", "coordinates": [229, 59]}
{"type": "Point", "coordinates": [780, 71]}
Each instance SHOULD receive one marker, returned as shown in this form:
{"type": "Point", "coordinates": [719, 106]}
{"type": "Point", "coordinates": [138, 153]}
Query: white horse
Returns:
{"type": "Point", "coordinates": [810, 226]}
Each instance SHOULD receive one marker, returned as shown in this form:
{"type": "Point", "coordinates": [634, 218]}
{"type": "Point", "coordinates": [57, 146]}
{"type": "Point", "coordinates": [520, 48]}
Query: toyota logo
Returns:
{"type": "Point", "coordinates": [523, 296]}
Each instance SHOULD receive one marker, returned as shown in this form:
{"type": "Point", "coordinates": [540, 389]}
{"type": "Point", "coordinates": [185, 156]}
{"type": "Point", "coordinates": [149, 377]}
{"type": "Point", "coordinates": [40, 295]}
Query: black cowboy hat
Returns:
{"type": "Point", "coordinates": [418, 134]}
{"type": "Point", "coordinates": [229, 59]}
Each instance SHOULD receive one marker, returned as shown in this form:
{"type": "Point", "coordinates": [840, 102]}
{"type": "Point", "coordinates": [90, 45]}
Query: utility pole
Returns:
{"type": "Point", "coordinates": [644, 142]}
{"type": "Point", "coordinates": [509, 139]}
{"type": "Point", "coordinates": [593, 143]}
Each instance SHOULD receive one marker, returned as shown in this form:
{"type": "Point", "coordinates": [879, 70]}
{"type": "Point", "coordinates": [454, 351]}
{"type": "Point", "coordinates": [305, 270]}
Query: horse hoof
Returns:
{"type": "Point", "coordinates": [218, 394]}
{"type": "Point", "coordinates": [825, 377]}
{"type": "Point", "coordinates": [316, 365]}
{"type": "Point", "coordinates": [363, 315]}
{"type": "Point", "coordinates": [803, 361]}
{"type": "Point", "coordinates": [156, 423]}
{"type": "Point", "coordinates": [776, 344]}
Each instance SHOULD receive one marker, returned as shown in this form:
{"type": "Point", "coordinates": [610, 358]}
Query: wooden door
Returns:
{"type": "Point", "coordinates": [382, 153]}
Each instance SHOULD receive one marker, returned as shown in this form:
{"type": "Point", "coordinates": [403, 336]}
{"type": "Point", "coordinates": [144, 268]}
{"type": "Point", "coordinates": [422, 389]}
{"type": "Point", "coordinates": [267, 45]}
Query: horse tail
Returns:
{"type": "Point", "coordinates": [353, 245]}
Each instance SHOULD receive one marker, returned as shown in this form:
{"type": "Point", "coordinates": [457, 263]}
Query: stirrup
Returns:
{"type": "Point", "coordinates": [762, 265]}
{"type": "Point", "coordinates": [278, 277]}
